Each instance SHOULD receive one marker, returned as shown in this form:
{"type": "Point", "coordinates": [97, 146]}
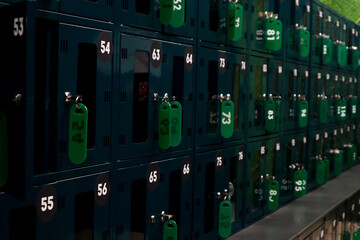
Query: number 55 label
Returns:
{"type": "Point", "coordinates": [46, 204]}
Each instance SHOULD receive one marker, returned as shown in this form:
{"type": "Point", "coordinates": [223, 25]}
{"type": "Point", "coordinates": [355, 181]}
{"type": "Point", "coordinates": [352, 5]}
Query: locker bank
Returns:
{"type": "Point", "coordinates": [178, 119]}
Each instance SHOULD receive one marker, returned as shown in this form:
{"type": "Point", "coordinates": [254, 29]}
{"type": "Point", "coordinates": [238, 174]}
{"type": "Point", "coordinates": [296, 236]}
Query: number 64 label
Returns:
{"type": "Point", "coordinates": [78, 127]}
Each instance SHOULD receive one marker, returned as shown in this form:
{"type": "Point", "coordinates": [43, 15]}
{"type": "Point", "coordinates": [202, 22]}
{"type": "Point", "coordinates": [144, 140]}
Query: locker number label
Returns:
{"type": "Point", "coordinates": [46, 204]}
{"type": "Point", "coordinates": [222, 63]}
{"type": "Point", "coordinates": [186, 169]}
{"type": "Point", "coordinates": [156, 54]}
{"type": "Point", "coordinates": [105, 47]}
{"type": "Point", "coordinates": [18, 27]}
{"type": "Point", "coordinates": [219, 161]}
{"type": "Point", "coordinates": [153, 176]}
{"type": "Point", "coordinates": [189, 58]}
{"type": "Point", "coordinates": [102, 189]}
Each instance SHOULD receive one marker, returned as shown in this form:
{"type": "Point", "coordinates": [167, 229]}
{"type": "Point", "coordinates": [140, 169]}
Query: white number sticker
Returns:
{"type": "Point", "coordinates": [102, 190]}
{"type": "Point", "coordinates": [47, 203]}
{"type": "Point", "coordinates": [18, 26]}
{"type": "Point", "coordinates": [105, 47]}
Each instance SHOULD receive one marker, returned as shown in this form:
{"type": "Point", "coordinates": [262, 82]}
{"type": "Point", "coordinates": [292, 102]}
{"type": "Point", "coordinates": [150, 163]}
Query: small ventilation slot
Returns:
{"type": "Point", "coordinates": [62, 147]}
{"type": "Point", "coordinates": [61, 202]}
{"type": "Point", "coordinates": [63, 46]}
{"type": "Point", "coordinates": [121, 187]}
{"type": "Point", "coordinates": [106, 141]}
{"type": "Point", "coordinates": [107, 96]}
{"type": "Point", "coordinates": [109, 2]}
{"type": "Point", "coordinates": [125, 5]}
{"type": "Point", "coordinates": [124, 53]}
{"type": "Point", "coordinates": [105, 235]}
{"type": "Point", "coordinates": [122, 96]}
{"type": "Point", "coordinates": [122, 140]}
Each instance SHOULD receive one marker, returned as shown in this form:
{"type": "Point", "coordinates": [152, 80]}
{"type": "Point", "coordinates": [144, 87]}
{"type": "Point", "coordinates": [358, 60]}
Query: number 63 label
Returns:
{"type": "Point", "coordinates": [78, 127]}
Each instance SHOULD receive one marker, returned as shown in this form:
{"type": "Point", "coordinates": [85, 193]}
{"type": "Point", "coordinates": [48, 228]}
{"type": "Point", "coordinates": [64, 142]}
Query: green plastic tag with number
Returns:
{"type": "Point", "coordinates": [166, 11]}
{"type": "Point", "coordinates": [351, 156]}
{"type": "Point", "coordinates": [225, 217]}
{"type": "Point", "coordinates": [270, 111]}
{"type": "Point", "coordinates": [338, 163]}
{"type": "Point", "coordinates": [342, 55]}
{"type": "Point", "coordinates": [227, 118]}
{"type": "Point", "coordinates": [341, 108]}
{"type": "Point", "coordinates": [3, 149]}
{"type": "Point", "coordinates": [78, 128]}
{"type": "Point", "coordinates": [353, 107]}
{"type": "Point", "coordinates": [303, 113]}
{"type": "Point", "coordinates": [356, 236]}
{"type": "Point", "coordinates": [304, 42]}
{"type": "Point", "coordinates": [235, 20]}
{"type": "Point", "coordinates": [323, 110]}
{"type": "Point", "coordinates": [170, 230]}
{"type": "Point", "coordinates": [273, 34]}
{"type": "Point", "coordinates": [176, 123]}
{"type": "Point", "coordinates": [273, 201]}
{"type": "Point", "coordinates": [327, 170]}
{"type": "Point", "coordinates": [212, 116]}
{"type": "Point", "coordinates": [179, 13]}
{"type": "Point", "coordinates": [165, 125]}
{"type": "Point", "coordinates": [300, 183]}
{"type": "Point", "coordinates": [326, 50]}
{"type": "Point", "coordinates": [355, 57]}
{"type": "Point", "coordinates": [320, 172]}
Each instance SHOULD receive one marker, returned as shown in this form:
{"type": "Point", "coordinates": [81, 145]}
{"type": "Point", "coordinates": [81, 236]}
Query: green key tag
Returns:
{"type": "Point", "coordinates": [227, 118]}
{"type": "Point", "coordinates": [3, 149]}
{"type": "Point", "coordinates": [342, 55]}
{"type": "Point", "coordinates": [338, 163]}
{"type": "Point", "coordinates": [327, 170]}
{"type": "Point", "coordinates": [225, 217]}
{"type": "Point", "coordinates": [320, 172]}
{"type": "Point", "coordinates": [343, 109]}
{"type": "Point", "coordinates": [176, 123]}
{"type": "Point", "coordinates": [304, 179]}
{"type": "Point", "coordinates": [304, 42]}
{"type": "Point", "coordinates": [326, 50]}
{"type": "Point", "coordinates": [355, 57]}
{"type": "Point", "coordinates": [303, 113]}
{"type": "Point", "coordinates": [166, 11]}
{"type": "Point", "coordinates": [356, 236]}
{"type": "Point", "coordinates": [165, 125]}
{"type": "Point", "coordinates": [351, 156]}
{"type": "Point", "coordinates": [170, 230]}
{"type": "Point", "coordinates": [179, 13]}
{"type": "Point", "coordinates": [298, 184]}
{"type": "Point", "coordinates": [212, 114]}
{"type": "Point", "coordinates": [273, 34]}
{"type": "Point", "coordinates": [353, 107]}
{"type": "Point", "coordinates": [273, 201]}
{"type": "Point", "coordinates": [78, 128]}
{"type": "Point", "coordinates": [235, 20]}
{"type": "Point", "coordinates": [270, 111]}
{"type": "Point", "coordinates": [323, 110]}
